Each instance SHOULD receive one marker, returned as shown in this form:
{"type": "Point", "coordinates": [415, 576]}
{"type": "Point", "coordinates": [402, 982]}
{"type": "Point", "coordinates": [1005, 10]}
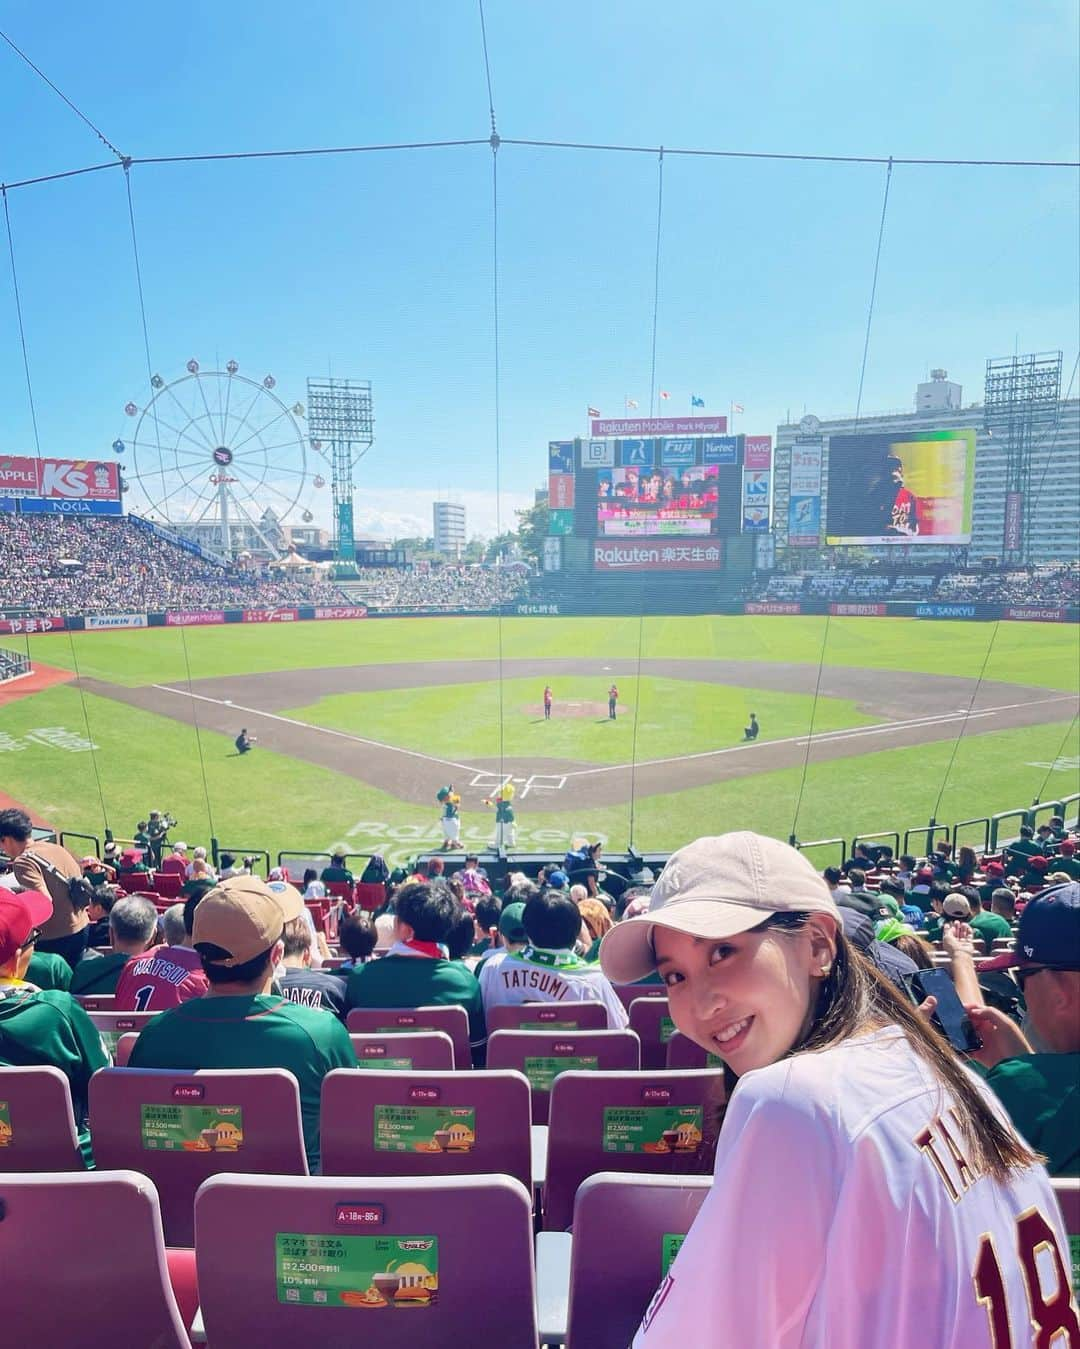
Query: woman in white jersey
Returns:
{"type": "Point", "coordinates": [869, 1193]}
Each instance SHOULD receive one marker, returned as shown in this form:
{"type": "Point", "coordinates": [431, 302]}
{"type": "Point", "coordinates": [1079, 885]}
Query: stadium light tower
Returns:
{"type": "Point", "coordinates": [340, 420]}
{"type": "Point", "coordinates": [1021, 396]}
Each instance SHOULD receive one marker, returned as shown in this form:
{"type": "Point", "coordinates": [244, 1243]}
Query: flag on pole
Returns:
{"type": "Point", "coordinates": [594, 412]}
{"type": "Point", "coordinates": [737, 407]}
{"type": "Point", "coordinates": [696, 402]}
{"type": "Point", "coordinates": [664, 393]}
{"type": "Point", "coordinates": [631, 403]}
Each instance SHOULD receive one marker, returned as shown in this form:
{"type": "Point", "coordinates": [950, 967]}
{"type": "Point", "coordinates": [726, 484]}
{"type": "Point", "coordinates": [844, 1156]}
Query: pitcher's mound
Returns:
{"type": "Point", "coordinates": [561, 710]}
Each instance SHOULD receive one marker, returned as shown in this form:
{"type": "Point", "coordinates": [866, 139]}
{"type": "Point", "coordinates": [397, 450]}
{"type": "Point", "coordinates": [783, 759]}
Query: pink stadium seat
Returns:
{"type": "Point", "coordinates": [643, 1122]}
{"type": "Point", "coordinates": [608, 1297]}
{"type": "Point", "coordinates": [114, 1024]}
{"type": "Point", "coordinates": [466, 1124]}
{"type": "Point", "coordinates": [682, 1052]}
{"type": "Point", "coordinates": [651, 1019]}
{"type": "Point", "coordinates": [452, 1020]}
{"type": "Point", "coordinates": [124, 1046]}
{"type": "Point", "coordinates": [85, 1262]}
{"type": "Point", "coordinates": [540, 1055]}
{"type": "Point", "coordinates": [168, 884]}
{"type": "Point", "coordinates": [369, 895]}
{"type": "Point", "coordinates": [96, 1002]}
{"type": "Point", "coordinates": [543, 1016]}
{"type": "Point", "coordinates": [265, 1102]}
{"type": "Point", "coordinates": [474, 1232]}
{"type": "Point", "coordinates": [339, 890]}
{"type": "Point", "coordinates": [37, 1126]}
{"type": "Point", "coordinates": [132, 882]}
{"type": "Point", "coordinates": [628, 993]}
{"type": "Point", "coordinates": [426, 1051]}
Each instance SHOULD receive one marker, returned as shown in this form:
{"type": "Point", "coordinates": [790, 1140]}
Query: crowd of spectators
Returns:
{"type": "Point", "coordinates": [60, 564]}
{"type": "Point", "coordinates": [1056, 586]}
{"type": "Point", "coordinates": [440, 586]}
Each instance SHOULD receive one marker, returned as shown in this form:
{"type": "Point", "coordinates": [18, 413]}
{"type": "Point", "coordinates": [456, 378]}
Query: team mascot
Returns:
{"type": "Point", "coordinates": [505, 830]}
{"type": "Point", "coordinates": [451, 820]}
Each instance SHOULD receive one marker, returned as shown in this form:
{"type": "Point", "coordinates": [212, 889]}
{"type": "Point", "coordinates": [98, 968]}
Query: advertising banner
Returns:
{"type": "Point", "coordinates": [757, 452]}
{"type": "Point", "coordinates": [678, 451]}
{"type": "Point", "coordinates": [755, 487]}
{"type": "Point", "coordinates": [720, 450]}
{"type": "Point", "coordinates": [553, 554]}
{"type": "Point", "coordinates": [560, 491]}
{"type": "Point", "coordinates": [772, 607]}
{"type": "Point", "coordinates": [597, 453]}
{"type": "Point", "coordinates": [271, 615]}
{"type": "Point", "coordinates": [60, 506]}
{"type": "Point", "coordinates": [342, 611]}
{"type": "Point", "coordinates": [561, 522]}
{"type": "Point", "coordinates": [755, 519]}
{"type": "Point", "coordinates": [804, 521]}
{"type": "Point", "coordinates": [1014, 520]}
{"type": "Point", "coordinates": [945, 611]}
{"type": "Point", "coordinates": [78, 480]}
{"type": "Point", "coordinates": [636, 451]}
{"type": "Point", "coordinates": [659, 426]}
{"type": "Point", "coordinates": [7, 504]}
{"type": "Point", "coordinates": [18, 474]}
{"type": "Point", "coordinates": [806, 469]}
{"type": "Point", "coordinates": [765, 552]}
{"type": "Point", "coordinates": [560, 456]}
{"type": "Point", "coordinates": [910, 488]}
{"type": "Point", "coordinates": [676, 555]}
{"type": "Point", "coordinates": [104, 622]}
{"type": "Point", "coordinates": [54, 623]}
{"type": "Point", "coordinates": [190, 618]}
{"type": "Point", "coordinates": [657, 501]}
{"type": "Point", "coordinates": [1026, 614]}
{"type": "Point", "coordinates": [858, 610]}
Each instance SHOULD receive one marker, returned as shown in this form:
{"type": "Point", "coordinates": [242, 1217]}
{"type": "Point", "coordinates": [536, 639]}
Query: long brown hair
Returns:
{"type": "Point", "coordinates": [856, 997]}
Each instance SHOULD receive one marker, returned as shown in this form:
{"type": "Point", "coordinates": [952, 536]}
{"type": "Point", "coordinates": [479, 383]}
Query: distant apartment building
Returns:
{"type": "Point", "coordinates": [448, 527]}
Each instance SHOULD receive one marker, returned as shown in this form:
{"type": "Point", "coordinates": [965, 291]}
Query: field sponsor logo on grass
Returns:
{"type": "Point", "coordinates": [858, 610]}
{"type": "Point", "coordinates": [52, 737]}
{"type": "Point", "coordinates": [945, 611]}
{"type": "Point", "coordinates": [51, 624]}
{"type": "Point", "coordinates": [190, 618]}
{"type": "Point", "coordinates": [271, 615]}
{"type": "Point", "coordinates": [1068, 764]}
{"type": "Point", "coordinates": [401, 842]}
{"type": "Point", "coordinates": [1025, 612]}
{"type": "Point", "coordinates": [100, 621]}
{"type": "Point", "coordinates": [673, 556]}
{"type": "Point", "coordinates": [772, 607]}
{"type": "Point", "coordinates": [342, 611]}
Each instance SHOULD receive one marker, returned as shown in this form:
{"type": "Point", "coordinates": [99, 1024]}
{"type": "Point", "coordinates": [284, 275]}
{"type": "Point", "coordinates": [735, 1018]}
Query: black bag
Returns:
{"type": "Point", "coordinates": [79, 890]}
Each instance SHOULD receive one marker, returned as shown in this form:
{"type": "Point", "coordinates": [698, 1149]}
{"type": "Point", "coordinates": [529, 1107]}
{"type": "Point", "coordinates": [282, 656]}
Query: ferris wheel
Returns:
{"type": "Point", "coordinates": [216, 448]}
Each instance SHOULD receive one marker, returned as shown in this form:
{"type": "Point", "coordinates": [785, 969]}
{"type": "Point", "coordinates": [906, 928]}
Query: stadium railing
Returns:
{"type": "Point", "coordinates": [983, 821]}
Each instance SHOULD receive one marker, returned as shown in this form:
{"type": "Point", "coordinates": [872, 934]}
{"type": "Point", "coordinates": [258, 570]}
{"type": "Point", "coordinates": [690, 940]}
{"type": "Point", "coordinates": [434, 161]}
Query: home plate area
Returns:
{"type": "Point", "coordinates": [489, 783]}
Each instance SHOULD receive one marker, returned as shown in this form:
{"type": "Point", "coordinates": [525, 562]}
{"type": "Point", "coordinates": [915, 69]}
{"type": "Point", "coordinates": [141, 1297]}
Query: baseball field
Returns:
{"type": "Point", "coordinates": [359, 723]}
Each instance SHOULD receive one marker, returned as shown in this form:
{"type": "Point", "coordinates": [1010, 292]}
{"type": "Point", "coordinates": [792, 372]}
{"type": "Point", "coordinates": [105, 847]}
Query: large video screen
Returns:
{"type": "Point", "coordinates": [634, 501]}
{"type": "Point", "coordinates": [913, 488]}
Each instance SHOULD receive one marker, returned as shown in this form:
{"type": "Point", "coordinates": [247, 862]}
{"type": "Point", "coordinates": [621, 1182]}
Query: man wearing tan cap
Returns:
{"type": "Point", "coordinates": [239, 1023]}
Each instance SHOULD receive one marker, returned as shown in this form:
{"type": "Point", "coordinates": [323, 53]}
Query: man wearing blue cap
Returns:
{"type": "Point", "coordinates": [1041, 1091]}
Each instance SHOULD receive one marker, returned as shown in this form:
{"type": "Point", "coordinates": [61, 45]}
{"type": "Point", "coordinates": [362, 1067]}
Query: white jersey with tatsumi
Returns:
{"type": "Point", "coordinates": [844, 1215]}
{"type": "Point", "coordinates": [525, 976]}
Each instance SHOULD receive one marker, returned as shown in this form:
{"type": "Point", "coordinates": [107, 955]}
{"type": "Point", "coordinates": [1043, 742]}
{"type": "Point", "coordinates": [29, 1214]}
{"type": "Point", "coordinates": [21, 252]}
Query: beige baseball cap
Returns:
{"type": "Point", "coordinates": [244, 916]}
{"type": "Point", "coordinates": [716, 887]}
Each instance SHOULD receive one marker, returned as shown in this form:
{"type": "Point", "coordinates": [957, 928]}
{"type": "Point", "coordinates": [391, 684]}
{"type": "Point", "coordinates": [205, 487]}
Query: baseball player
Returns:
{"type": "Point", "coordinates": [547, 702]}
{"type": "Point", "coordinates": [869, 1190]}
{"type": "Point", "coordinates": [612, 701]}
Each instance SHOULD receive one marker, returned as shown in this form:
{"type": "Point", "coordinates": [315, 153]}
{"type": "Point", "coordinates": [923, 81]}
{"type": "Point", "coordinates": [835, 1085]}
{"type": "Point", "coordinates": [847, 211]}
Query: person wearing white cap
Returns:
{"type": "Point", "coordinates": [868, 1189]}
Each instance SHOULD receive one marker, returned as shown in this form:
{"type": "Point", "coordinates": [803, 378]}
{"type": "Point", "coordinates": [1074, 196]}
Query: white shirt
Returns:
{"type": "Point", "coordinates": [516, 978]}
{"type": "Point", "coordinates": [840, 1220]}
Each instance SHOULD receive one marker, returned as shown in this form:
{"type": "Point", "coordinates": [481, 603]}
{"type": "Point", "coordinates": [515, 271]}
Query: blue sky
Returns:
{"type": "Point", "coordinates": [379, 266]}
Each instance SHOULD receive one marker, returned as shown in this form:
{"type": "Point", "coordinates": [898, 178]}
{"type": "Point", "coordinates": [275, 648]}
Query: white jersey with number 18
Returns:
{"type": "Point", "coordinates": [845, 1214]}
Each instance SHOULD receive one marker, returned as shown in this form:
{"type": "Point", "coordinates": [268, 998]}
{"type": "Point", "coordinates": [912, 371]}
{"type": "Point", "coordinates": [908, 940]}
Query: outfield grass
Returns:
{"type": "Point", "coordinates": [276, 802]}
{"type": "Point", "coordinates": [1040, 654]}
{"type": "Point", "coordinates": [674, 716]}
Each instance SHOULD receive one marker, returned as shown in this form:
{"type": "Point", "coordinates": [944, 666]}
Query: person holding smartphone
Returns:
{"type": "Point", "coordinates": [869, 1190]}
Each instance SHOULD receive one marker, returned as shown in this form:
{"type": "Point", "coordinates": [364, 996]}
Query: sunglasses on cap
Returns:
{"type": "Point", "coordinates": [35, 933]}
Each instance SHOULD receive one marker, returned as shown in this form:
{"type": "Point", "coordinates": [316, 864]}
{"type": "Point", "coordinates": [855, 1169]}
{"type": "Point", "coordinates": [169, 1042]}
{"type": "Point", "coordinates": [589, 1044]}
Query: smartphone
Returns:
{"type": "Point", "coordinates": [949, 1017]}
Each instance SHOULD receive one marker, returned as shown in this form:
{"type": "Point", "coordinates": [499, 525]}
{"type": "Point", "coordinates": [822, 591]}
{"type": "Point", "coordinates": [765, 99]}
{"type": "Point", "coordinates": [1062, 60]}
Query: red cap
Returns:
{"type": "Point", "coordinates": [994, 869]}
{"type": "Point", "coordinates": [1068, 847]}
{"type": "Point", "coordinates": [20, 914]}
{"type": "Point", "coordinates": [925, 874]}
{"type": "Point", "coordinates": [1038, 863]}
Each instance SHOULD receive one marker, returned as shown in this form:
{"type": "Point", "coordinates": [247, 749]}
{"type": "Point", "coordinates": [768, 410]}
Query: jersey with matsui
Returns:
{"type": "Point", "coordinates": [846, 1213]}
{"type": "Point", "coordinates": [161, 977]}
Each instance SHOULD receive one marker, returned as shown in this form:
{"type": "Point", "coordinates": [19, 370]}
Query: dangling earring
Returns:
{"type": "Point", "coordinates": [825, 970]}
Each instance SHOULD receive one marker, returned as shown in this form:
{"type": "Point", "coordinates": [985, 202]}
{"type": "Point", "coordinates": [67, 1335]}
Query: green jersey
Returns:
{"type": "Point", "coordinates": [1041, 1093]}
{"type": "Point", "coordinates": [251, 1032]}
{"type": "Point", "coordinates": [419, 981]}
{"type": "Point", "coordinates": [339, 874]}
{"type": "Point", "coordinates": [48, 1027]}
{"type": "Point", "coordinates": [48, 970]}
{"type": "Point", "coordinates": [990, 926]}
{"type": "Point", "coordinates": [98, 974]}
